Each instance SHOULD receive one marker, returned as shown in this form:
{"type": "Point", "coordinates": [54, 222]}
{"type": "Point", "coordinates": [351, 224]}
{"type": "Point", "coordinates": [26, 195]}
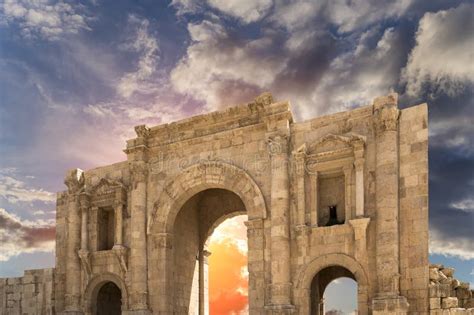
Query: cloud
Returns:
{"type": "Point", "coordinates": [451, 246]}
{"type": "Point", "coordinates": [245, 11]}
{"type": "Point", "coordinates": [218, 67]}
{"type": "Point", "coordinates": [22, 236]}
{"type": "Point", "coordinates": [44, 19]}
{"type": "Point", "coordinates": [15, 190]}
{"type": "Point", "coordinates": [466, 205]}
{"type": "Point", "coordinates": [442, 58]}
{"type": "Point", "coordinates": [146, 46]}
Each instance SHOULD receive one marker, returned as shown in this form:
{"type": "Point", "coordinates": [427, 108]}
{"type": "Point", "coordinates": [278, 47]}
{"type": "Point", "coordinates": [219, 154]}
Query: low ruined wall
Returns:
{"type": "Point", "coordinates": [449, 296]}
{"type": "Point", "coordinates": [30, 294]}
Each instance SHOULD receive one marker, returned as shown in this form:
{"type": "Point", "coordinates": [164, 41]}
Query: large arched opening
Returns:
{"type": "Point", "coordinates": [188, 210]}
{"type": "Point", "coordinates": [194, 224]}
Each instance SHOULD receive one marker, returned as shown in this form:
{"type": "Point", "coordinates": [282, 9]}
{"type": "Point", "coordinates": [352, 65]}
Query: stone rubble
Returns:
{"type": "Point", "coordinates": [448, 295]}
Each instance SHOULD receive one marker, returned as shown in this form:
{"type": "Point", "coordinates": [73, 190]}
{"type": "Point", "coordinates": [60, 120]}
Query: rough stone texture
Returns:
{"type": "Point", "coordinates": [30, 294]}
{"type": "Point", "coordinates": [182, 179]}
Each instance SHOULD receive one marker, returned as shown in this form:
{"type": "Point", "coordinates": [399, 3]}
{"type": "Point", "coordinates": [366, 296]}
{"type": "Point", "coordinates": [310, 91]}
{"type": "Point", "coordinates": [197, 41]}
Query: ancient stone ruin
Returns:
{"type": "Point", "coordinates": [343, 195]}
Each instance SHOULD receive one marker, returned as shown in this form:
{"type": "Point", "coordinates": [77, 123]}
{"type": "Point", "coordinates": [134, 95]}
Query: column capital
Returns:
{"type": "Point", "coordinates": [164, 240]}
{"type": "Point", "coordinates": [277, 143]}
{"type": "Point", "coordinates": [84, 201]}
{"type": "Point", "coordinates": [359, 163]}
{"type": "Point", "coordinates": [386, 113]}
{"type": "Point", "coordinates": [138, 171]}
{"type": "Point", "coordinates": [74, 180]}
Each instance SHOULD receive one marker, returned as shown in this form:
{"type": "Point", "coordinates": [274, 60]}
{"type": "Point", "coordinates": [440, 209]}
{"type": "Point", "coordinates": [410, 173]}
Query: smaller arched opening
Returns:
{"type": "Point", "coordinates": [323, 282]}
{"type": "Point", "coordinates": [106, 294]}
{"type": "Point", "coordinates": [109, 300]}
{"type": "Point", "coordinates": [315, 277]}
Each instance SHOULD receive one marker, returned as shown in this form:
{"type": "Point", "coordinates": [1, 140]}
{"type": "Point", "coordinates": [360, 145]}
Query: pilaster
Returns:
{"type": "Point", "coordinates": [388, 299]}
{"type": "Point", "coordinates": [280, 288]}
{"type": "Point", "coordinates": [75, 183]}
{"type": "Point", "coordinates": [137, 157]}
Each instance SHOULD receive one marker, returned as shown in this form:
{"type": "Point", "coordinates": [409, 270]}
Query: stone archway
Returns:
{"type": "Point", "coordinates": [185, 187]}
{"type": "Point", "coordinates": [93, 291]}
{"type": "Point", "coordinates": [339, 265]}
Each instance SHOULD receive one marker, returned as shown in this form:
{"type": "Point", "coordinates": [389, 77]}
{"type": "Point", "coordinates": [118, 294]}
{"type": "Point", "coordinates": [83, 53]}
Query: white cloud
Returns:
{"type": "Point", "coordinates": [462, 248]}
{"type": "Point", "coordinates": [15, 190]}
{"type": "Point", "coordinates": [466, 205]}
{"type": "Point", "coordinates": [216, 68]}
{"type": "Point", "coordinates": [19, 236]}
{"type": "Point", "coordinates": [185, 6]}
{"type": "Point", "coordinates": [232, 231]}
{"type": "Point", "coordinates": [351, 15]}
{"type": "Point", "coordinates": [147, 47]}
{"type": "Point", "coordinates": [246, 11]}
{"type": "Point", "coordinates": [443, 55]}
{"type": "Point", "coordinates": [43, 18]}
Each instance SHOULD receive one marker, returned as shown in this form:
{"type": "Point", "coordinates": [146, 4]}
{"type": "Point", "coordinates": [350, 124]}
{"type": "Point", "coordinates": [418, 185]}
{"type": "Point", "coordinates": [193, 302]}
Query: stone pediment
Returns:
{"type": "Point", "coordinates": [332, 143]}
{"type": "Point", "coordinates": [105, 187]}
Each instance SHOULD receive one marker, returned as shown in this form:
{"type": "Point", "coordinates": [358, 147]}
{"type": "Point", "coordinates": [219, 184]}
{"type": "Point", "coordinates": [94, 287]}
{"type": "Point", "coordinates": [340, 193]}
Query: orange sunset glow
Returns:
{"type": "Point", "coordinates": [228, 277]}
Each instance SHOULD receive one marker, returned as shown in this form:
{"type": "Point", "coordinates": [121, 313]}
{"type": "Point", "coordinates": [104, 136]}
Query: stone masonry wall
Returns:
{"type": "Point", "coordinates": [31, 294]}
{"type": "Point", "coordinates": [448, 295]}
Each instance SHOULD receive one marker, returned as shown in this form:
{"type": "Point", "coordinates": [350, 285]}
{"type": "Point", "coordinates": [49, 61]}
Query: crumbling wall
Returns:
{"type": "Point", "coordinates": [30, 294]}
{"type": "Point", "coordinates": [448, 295]}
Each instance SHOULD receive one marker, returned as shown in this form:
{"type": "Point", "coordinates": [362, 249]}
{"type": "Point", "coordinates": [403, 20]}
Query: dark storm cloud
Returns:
{"type": "Point", "coordinates": [18, 236]}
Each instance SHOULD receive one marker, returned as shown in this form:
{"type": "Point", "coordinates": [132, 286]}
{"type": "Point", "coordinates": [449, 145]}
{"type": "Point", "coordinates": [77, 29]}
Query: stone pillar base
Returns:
{"type": "Point", "coordinates": [390, 305]}
{"type": "Point", "coordinates": [280, 309]}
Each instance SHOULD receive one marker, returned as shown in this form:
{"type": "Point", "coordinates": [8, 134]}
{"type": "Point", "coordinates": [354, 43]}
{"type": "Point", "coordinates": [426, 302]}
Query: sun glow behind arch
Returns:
{"type": "Point", "coordinates": [228, 273]}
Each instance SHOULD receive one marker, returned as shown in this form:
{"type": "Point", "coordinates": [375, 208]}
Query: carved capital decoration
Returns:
{"type": "Point", "coordinates": [277, 144]}
{"type": "Point", "coordinates": [386, 116]}
{"type": "Point", "coordinates": [264, 99]}
{"type": "Point", "coordinates": [84, 257]}
{"type": "Point", "coordinates": [74, 180]}
{"type": "Point", "coordinates": [138, 172]}
{"type": "Point", "coordinates": [142, 131]}
{"type": "Point", "coordinates": [121, 253]}
{"type": "Point", "coordinates": [84, 201]}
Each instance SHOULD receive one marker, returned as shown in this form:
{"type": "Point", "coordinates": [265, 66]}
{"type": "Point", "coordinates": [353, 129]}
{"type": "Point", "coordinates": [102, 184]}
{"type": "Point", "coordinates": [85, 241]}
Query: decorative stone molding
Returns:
{"type": "Point", "coordinates": [84, 256]}
{"type": "Point", "coordinates": [138, 172]}
{"type": "Point", "coordinates": [277, 144]}
{"type": "Point", "coordinates": [386, 113]}
{"type": "Point", "coordinates": [264, 99]}
{"type": "Point", "coordinates": [142, 131]}
{"type": "Point", "coordinates": [121, 253]}
{"type": "Point", "coordinates": [74, 180]}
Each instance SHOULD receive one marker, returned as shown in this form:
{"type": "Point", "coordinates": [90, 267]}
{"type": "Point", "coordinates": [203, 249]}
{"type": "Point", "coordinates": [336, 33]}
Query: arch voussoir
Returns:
{"type": "Point", "coordinates": [200, 177]}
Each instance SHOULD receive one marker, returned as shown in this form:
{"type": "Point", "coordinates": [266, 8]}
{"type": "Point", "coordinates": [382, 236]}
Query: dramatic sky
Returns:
{"type": "Point", "coordinates": [76, 76]}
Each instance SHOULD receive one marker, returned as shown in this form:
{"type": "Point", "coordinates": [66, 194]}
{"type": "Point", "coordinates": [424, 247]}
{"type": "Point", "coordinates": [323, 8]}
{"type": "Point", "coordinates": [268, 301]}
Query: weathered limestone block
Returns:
{"type": "Point", "coordinates": [449, 302]}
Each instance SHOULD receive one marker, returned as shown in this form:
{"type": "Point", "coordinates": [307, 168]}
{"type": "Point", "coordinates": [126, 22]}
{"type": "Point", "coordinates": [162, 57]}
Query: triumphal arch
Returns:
{"type": "Point", "coordinates": [338, 195]}
{"type": "Point", "coordinates": [343, 195]}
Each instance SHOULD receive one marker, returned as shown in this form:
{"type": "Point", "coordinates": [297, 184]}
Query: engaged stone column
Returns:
{"type": "Point", "coordinates": [118, 223]}
{"type": "Point", "coordinates": [75, 182]}
{"type": "Point", "coordinates": [359, 170]}
{"type": "Point", "coordinates": [138, 243]}
{"type": "Point", "coordinates": [388, 299]}
{"type": "Point", "coordinates": [84, 206]}
{"type": "Point", "coordinates": [314, 198]}
{"type": "Point", "coordinates": [348, 192]}
{"type": "Point", "coordinates": [280, 234]}
{"type": "Point", "coordinates": [204, 282]}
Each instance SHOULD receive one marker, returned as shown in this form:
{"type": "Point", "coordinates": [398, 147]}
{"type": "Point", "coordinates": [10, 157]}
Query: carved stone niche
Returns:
{"type": "Point", "coordinates": [108, 209]}
{"type": "Point", "coordinates": [331, 165]}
